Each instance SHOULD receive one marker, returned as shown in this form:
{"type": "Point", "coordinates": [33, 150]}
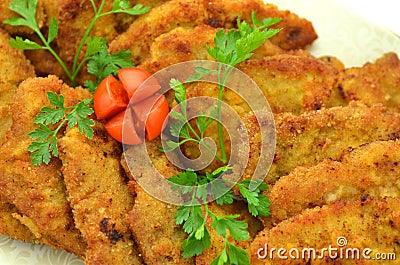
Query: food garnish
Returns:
{"type": "Point", "coordinates": [126, 108]}
{"type": "Point", "coordinates": [27, 9]}
{"type": "Point", "coordinates": [231, 47]}
{"type": "Point", "coordinates": [100, 63]}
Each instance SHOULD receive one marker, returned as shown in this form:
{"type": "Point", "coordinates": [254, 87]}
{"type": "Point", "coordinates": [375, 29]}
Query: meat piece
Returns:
{"type": "Point", "coordinates": [370, 169]}
{"type": "Point", "coordinates": [14, 66]}
{"type": "Point", "coordinates": [152, 220]}
{"type": "Point", "coordinates": [377, 82]}
{"type": "Point", "coordinates": [38, 191]}
{"type": "Point", "coordinates": [314, 136]}
{"type": "Point", "coordinates": [10, 226]}
{"type": "Point", "coordinates": [179, 45]}
{"type": "Point", "coordinates": [296, 33]}
{"type": "Point", "coordinates": [98, 195]}
{"type": "Point", "coordinates": [368, 223]}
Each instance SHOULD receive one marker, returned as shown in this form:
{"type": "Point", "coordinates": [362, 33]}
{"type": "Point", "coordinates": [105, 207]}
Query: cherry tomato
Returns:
{"type": "Point", "coordinates": [122, 128]}
{"type": "Point", "coordinates": [146, 111]}
{"type": "Point", "coordinates": [132, 78]}
{"type": "Point", "coordinates": [110, 98]}
{"type": "Point", "coordinates": [154, 118]}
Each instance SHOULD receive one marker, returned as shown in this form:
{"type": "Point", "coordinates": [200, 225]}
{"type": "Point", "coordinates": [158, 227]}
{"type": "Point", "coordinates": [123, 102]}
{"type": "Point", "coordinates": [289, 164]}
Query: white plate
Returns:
{"type": "Point", "coordinates": [341, 33]}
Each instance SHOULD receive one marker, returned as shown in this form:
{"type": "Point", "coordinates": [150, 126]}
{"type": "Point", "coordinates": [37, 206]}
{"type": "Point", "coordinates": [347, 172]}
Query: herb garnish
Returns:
{"type": "Point", "coordinates": [27, 11]}
{"type": "Point", "coordinates": [231, 48]}
{"type": "Point", "coordinates": [100, 63]}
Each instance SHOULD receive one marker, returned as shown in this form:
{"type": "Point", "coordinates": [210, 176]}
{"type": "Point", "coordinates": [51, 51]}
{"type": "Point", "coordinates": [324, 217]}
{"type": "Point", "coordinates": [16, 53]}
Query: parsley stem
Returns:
{"type": "Point", "coordinates": [224, 72]}
{"type": "Point", "coordinates": [75, 68]}
{"type": "Point", "coordinates": [55, 55]}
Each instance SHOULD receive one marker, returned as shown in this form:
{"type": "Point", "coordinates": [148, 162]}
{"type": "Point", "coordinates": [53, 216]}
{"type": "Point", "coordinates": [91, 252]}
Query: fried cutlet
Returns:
{"type": "Point", "coordinates": [377, 82]}
{"type": "Point", "coordinates": [317, 135]}
{"type": "Point", "coordinates": [98, 195]}
{"type": "Point", "coordinates": [7, 91]}
{"type": "Point", "coordinates": [292, 83]}
{"type": "Point", "coordinates": [38, 192]}
{"type": "Point", "coordinates": [14, 66]}
{"type": "Point", "coordinates": [370, 169]}
{"type": "Point", "coordinates": [11, 227]}
{"type": "Point", "coordinates": [371, 223]}
{"type": "Point", "coordinates": [151, 220]}
{"type": "Point", "coordinates": [178, 45]}
{"type": "Point", "coordinates": [297, 33]}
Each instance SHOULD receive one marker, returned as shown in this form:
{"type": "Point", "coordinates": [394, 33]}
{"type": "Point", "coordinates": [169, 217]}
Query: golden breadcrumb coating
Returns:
{"type": "Point", "coordinates": [38, 192]}
{"type": "Point", "coordinates": [297, 33]}
{"type": "Point", "coordinates": [366, 223]}
{"type": "Point", "coordinates": [99, 196]}
{"type": "Point", "coordinates": [370, 169]}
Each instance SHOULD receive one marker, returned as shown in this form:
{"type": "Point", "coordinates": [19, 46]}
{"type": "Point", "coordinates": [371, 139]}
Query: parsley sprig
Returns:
{"type": "Point", "coordinates": [52, 119]}
{"type": "Point", "coordinates": [27, 11]}
{"type": "Point", "coordinates": [195, 212]}
{"type": "Point", "coordinates": [45, 144]}
{"type": "Point", "coordinates": [231, 48]}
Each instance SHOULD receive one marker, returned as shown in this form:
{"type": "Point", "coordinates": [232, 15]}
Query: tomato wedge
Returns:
{"type": "Point", "coordinates": [122, 128]}
{"type": "Point", "coordinates": [110, 98]}
{"type": "Point", "coordinates": [130, 105]}
{"type": "Point", "coordinates": [153, 118]}
{"type": "Point", "coordinates": [132, 78]}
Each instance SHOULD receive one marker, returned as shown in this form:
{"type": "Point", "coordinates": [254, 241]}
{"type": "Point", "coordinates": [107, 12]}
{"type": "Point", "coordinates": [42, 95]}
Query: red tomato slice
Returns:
{"type": "Point", "coordinates": [110, 98]}
{"type": "Point", "coordinates": [133, 78]}
{"type": "Point", "coordinates": [122, 128]}
{"type": "Point", "coordinates": [154, 118]}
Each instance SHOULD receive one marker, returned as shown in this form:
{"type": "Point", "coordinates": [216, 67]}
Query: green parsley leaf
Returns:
{"type": "Point", "coordinates": [237, 256]}
{"type": "Point", "coordinates": [192, 246]}
{"type": "Point", "coordinates": [200, 72]}
{"type": "Point", "coordinates": [45, 139]}
{"type": "Point", "coordinates": [123, 6]}
{"type": "Point", "coordinates": [222, 258]}
{"type": "Point", "coordinates": [53, 30]}
{"type": "Point", "coordinates": [26, 44]}
{"type": "Point", "coordinates": [258, 204]}
{"type": "Point", "coordinates": [236, 46]}
{"type": "Point", "coordinates": [236, 228]}
{"type": "Point", "coordinates": [195, 219]}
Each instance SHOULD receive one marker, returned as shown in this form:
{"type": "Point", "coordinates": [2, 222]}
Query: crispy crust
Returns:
{"type": "Point", "coordinates": [38, 192]}
{"type": "Point", "coordinates": [297, 33]}
{"type": "Point", "coordinates": [371, 169]}
{"type": "Point", "coordinates": [316, 135]}
{"type": "Point", "coordinates": [367, 223]}
{"type": "Point", "coordinates": [377, 82]}
{"type": "Point", "coordinates": [98, 195]}
{"type": "Point", "coordinates": [152, 221]}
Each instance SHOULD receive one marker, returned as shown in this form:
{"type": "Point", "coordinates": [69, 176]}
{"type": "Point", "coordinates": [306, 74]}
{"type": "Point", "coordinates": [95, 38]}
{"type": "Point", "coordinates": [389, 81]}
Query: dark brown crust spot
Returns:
{"type": "Point", "coordinates": [113, 235]}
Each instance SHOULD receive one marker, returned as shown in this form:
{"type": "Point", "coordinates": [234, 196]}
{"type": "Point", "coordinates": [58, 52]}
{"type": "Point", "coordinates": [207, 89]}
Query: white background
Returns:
{"type": "Point", "coordinates": [385, 13]}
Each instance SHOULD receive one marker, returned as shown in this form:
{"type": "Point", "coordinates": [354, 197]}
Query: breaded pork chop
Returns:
{"type": "Point", "coordinates": [296, 33]}
{"type": "Point", "coordinates": [98, 195]}
{"type": "Point", "coordinates": [370, 169]}
{"type": "Point", "coordinates": [317, 135]}
{"type": "Point", "coordinates": [12, 227]}
{"type": "Point", "coordinates": [151, 220]}
{"type": "Point", "coordinates": [377, 82]}
{"type": "Point", "coordinates": [291, 83]}
{"type": "Point", "coordinates": [366, 223]}
{"type": "Point", "coordinates": [14, 66]}
{"type": "Point", "coordinates": [38, 192]}
{"type": "Point", "coordinates": [180, 45]}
